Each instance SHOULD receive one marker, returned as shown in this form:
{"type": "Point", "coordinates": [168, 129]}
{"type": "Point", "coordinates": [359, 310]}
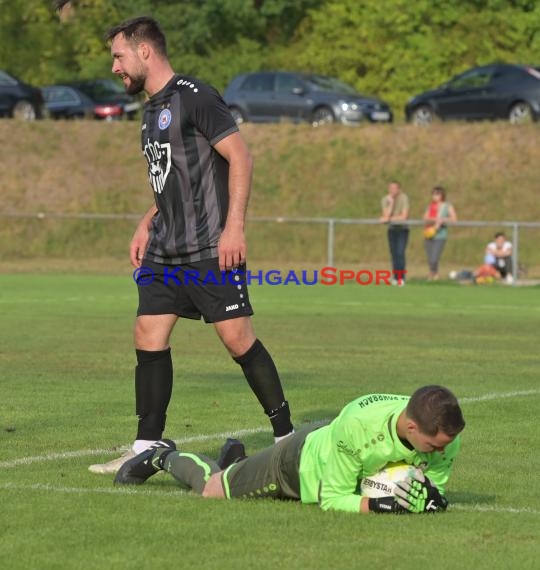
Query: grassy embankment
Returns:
{"type": "Point", "coordinates": [489, 170]}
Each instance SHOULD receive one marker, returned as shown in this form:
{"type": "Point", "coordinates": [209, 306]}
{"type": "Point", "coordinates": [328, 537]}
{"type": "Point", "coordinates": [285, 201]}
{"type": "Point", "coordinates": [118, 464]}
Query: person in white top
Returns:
{"type": "Point", "coordinates": [499, 255]}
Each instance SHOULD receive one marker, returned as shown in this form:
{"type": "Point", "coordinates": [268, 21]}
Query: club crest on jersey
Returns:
{"type": "Point", "coordinates": [164, 119]}
{"type": "Point", "coordinates": [158, 156]}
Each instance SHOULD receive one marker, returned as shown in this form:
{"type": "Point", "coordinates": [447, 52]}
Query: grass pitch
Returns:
{"type": "Point", "coordinates": [67, 401]}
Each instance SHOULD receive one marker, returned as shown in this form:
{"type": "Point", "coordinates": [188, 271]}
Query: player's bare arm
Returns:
{"type": "Point", "coordinates": [139, 240]}
{"type": "Point", "coordinates": [232, 247]}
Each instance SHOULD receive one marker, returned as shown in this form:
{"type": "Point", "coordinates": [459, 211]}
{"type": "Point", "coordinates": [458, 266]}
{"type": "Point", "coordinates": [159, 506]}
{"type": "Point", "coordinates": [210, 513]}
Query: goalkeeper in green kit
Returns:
{"type": "Point", "coordinates": [325, 464]}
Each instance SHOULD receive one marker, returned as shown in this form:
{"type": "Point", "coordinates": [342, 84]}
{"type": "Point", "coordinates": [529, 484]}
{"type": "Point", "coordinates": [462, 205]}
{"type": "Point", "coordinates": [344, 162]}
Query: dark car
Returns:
{"type": "Point", "coordinates": [67, 102]}
{"type": "Point", "coordinates": [317, 99]}
{"type": "Point", "coordinates": [18, 99]}
{"type": "Point", "coordinates": [107, 92]}
{"type": "Point", "coordinates": [497, 91]}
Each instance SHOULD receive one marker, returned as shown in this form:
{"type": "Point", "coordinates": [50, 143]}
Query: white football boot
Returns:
{"type": "Point", "coordinates": [112, 466]}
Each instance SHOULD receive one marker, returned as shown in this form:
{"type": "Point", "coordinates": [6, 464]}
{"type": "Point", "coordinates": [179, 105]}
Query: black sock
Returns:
{"type": "Point", "coordinates": [153, 388]}
{"type": "Point", "coordinates": [262, 376]}
{"type": "Point", "coordinates": [191, 470]}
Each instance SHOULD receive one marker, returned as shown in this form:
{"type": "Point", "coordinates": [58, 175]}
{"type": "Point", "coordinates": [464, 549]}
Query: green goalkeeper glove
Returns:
{"type": "Point", "coordinates": [418, 495]}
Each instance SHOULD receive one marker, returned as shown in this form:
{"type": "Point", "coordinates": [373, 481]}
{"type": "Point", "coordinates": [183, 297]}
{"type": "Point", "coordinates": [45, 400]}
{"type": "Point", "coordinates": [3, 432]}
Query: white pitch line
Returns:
{"type": "Point", "coordinates": [206, 437]}
{"type": "Point", "coordinates": [88, 452]}
{"type": "Point", "coordinates": [500, 396]}
{"type": "Point", "coordinates": [487, 509]}
{"type": "Point", "coordinates": [178, 492]}
{"type": "Point", "coordinates": [100, 491]}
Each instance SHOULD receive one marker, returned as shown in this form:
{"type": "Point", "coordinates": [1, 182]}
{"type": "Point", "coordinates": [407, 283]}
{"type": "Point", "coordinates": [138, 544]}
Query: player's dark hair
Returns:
{"type": "Point", "coordinates": [138, 30]}
{"type": "Point", "coordinates": [434, 409]}
{"type": "Point", "coordinates": [500, 234]}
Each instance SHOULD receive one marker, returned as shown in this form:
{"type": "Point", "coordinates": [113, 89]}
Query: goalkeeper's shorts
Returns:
{"type": "Point", "coordinates": [272, 472]}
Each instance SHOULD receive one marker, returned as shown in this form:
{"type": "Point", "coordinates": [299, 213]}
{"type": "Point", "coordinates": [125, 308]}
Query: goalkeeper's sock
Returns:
{"type": "Point", "coordinates": [263, 378]}
{"type": "Point", "coordinates": [191, 470]}
{"type": "Point", "coordinates": [278, 439]}
{"type": "Point", "coordinates": [153, 388]}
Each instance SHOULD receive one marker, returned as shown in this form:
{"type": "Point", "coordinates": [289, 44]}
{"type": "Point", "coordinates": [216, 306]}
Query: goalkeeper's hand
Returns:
{"type": "Point", "coordinates": [386, 505]}
{"type": "Point", "coordinates": [418, 495]}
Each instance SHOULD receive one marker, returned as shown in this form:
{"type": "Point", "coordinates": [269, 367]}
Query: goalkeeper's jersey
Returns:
{"type": "Point", "coordinates": [359, 443]}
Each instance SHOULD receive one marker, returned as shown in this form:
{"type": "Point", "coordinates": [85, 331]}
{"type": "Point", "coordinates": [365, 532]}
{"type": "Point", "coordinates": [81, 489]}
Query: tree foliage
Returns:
{"type": "Point", "coordinates": [396, 49]}
{"type": "Point", "coordinates": [389, 48]}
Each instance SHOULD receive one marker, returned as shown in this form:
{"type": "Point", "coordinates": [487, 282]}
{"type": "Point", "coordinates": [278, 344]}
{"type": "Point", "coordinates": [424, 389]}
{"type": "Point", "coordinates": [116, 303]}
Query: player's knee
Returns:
{"type": "Point", "coordinates": [143, 338]}
{"type": "Point", "coordinates": [238, 337]}
{"type": "Point", "coordinates": [214, 488]}
{"type": "Point", "coordinates": [139, 331]}
{"type": "Point", "coordinates": [152, 333]}
{"type": "Point", "coordinates": [238, 347]}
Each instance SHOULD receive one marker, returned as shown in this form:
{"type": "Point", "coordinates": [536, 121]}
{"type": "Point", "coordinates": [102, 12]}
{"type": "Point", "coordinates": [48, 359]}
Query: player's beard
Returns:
{"type": "Point", "coordinates": [136, 84]}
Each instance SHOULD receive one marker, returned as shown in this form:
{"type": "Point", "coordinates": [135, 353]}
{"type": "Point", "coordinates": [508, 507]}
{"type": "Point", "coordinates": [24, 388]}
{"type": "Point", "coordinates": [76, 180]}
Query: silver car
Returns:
{"type": "Point", "coordinates": [300, 97]}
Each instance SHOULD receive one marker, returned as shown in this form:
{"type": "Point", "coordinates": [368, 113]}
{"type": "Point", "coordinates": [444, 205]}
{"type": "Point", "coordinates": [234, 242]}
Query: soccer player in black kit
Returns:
{"type": "Point", "coordinates": [200, 170]}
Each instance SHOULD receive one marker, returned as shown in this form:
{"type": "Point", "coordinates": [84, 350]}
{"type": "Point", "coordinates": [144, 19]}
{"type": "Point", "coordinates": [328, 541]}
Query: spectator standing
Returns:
{"type": "Point", "coordinates": [395, 212]}
{"type": "Point", "coordinates": [438, 214]}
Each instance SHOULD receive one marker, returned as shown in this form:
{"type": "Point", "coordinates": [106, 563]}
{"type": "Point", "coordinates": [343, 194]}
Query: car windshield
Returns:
{"type": "Point", "coordinates": [6, 79]}
{"type": "Point", "coordinates": [322, 83]}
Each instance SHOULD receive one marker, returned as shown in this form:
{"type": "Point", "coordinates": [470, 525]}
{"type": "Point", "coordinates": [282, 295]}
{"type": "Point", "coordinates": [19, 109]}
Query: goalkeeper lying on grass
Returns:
{"type": "Point", "coordinates": [325, 464]}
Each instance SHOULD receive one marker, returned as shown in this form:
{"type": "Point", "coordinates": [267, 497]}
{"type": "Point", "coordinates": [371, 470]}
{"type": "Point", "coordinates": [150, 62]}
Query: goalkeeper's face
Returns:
{"type": "Point", "coordinates": [427, 443]}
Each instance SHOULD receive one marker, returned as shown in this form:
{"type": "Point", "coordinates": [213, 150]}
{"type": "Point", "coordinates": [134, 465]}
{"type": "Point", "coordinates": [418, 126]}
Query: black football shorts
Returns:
{"type": "Point", "coordinates": [192, 290]}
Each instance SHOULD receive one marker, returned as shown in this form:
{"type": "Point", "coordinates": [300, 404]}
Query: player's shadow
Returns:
{"type": "Point", "coordinates": [465, 498]}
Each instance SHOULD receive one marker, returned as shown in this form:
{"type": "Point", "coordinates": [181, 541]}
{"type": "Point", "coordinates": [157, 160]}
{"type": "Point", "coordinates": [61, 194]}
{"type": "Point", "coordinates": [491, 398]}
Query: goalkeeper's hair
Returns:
{"type": "Point", "coordinates": [434, 409]}
{"type": "Point", "coordinates": [141, 29]}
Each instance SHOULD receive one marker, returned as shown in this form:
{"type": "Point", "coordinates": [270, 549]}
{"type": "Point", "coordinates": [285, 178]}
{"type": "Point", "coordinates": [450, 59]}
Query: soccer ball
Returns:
{"type": "Point", "coordinates": [382, 484]}
{"type": "Point", "coordinates": [453, 275]}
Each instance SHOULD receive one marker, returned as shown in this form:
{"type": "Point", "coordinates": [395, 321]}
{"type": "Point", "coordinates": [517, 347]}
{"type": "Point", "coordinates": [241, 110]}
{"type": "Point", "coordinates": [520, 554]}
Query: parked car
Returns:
{"type": "Point", "coordinates": [108, 92]}
{"type": "Point", "coordinates": [317, 99]}
{"type": "Point", "coordinates": [66, 102]}
{"type": "Point", "coordinates": [497, 91]}
{"type": "Point", "coordinates": [18, 99]}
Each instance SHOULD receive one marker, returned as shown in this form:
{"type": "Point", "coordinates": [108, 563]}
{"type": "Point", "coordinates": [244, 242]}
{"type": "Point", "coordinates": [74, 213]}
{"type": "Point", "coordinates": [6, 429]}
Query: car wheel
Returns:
{"type": "Point", "coordinates": [322, 116]}
{"type": "Point", "coordinates": [520, 113]}
{"type": "Point", "coordinates": [237, 115]}
{"type": "Point", "coordinates": [423, 115]}
{"type": "Point", "coordinates": [24, 110]}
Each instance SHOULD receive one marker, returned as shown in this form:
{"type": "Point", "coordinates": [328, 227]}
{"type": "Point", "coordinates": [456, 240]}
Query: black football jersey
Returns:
{"type": "Point", "coordinates": [181, 123]}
